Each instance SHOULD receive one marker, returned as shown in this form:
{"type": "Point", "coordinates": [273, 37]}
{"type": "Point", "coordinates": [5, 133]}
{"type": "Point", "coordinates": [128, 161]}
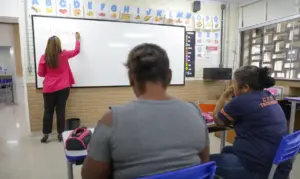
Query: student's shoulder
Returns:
{"type": "Point", "coordinates": [246, 100]}
{"type": "Point", "coordinates": [123, 107]}
{"type": "Point", "coordinates": [192, 107]}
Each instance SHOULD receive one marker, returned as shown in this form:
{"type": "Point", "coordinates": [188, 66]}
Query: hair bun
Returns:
{"type": "Point", "coordinates": [265, 80]}
{"type": "Point", "coordinates": [146, 63]}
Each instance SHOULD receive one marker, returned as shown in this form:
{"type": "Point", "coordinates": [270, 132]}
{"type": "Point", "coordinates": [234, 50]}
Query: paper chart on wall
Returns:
{"type": "Point", "coordinates": [216, 22]}
{"type": "Point", "coordinates": [208, 23]}
{"type": "Point", "coordinates": [207, 54]}
{"type": "Point", "coordinates": [209, 60]}
{"type": "Point", "coordinates": [125, 13]}
{"type": "Point", "coordinates": [63, 8]}
{"type": "Point", "coordinates": [143, 15]}
{"type": "Point", "coordinates": [199, 38]}
{"type": "Point", "coordinates": [89, 9]}
{"type": "Point", "coordinates": [199, 19]}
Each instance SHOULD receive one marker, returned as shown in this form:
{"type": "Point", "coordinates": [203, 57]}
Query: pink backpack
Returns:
{"type": "Point", "coordinates": [78, 139]}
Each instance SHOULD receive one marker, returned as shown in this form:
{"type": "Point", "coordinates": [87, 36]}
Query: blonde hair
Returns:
{"type": "Point", "coordinates": [52, 52]}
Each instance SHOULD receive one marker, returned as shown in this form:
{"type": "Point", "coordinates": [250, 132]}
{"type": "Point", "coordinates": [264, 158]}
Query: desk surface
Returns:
{"type": "Point", "coordinates": [296, 99]}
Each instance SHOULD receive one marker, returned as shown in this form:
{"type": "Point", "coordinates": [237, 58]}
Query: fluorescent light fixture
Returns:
{"type": "Point", "coordinates": [138, 35]}
{"type": "Point", "coordinates": [18, 125]}
{"type": "Point", "coordinates": [11, 50]}
{"type": "Point", "coordinates": [118, 45]}
{"type": "Point", "coordinates": [12, 141]}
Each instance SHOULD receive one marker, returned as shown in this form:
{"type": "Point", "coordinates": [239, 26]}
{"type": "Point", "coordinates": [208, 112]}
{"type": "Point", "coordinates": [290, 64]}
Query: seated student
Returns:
{"type": "Point", "coordinates": [153, 134]}
{"type": "Point", "coordinates": [259, 123]}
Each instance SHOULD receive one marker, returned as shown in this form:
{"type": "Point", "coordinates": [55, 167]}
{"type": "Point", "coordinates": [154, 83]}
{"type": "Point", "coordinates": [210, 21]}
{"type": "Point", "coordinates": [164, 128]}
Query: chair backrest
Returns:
{"type": "Point", "coordinates": [288, 148]}
{"type": "Point", "coordinates": [204, 171]}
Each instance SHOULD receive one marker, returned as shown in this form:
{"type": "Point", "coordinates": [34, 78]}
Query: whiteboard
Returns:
{"type": "Point", "coordinates": [105, 46]}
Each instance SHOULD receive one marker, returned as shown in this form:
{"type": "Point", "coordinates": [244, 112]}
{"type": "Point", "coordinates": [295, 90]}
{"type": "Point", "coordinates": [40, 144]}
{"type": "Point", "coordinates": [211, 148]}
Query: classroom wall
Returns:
{"type": "Point", "coordinates": [90, 103]}
{"type": "Point", "coordinates": [9, 11]}
{"type": "Point", "coordinates": [6, 35]}
{"type": "Point", "coordinates": [267, 10]}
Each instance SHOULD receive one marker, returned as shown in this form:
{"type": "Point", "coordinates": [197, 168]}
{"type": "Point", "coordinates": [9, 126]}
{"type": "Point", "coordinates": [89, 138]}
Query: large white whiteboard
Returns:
{"type": "Point", "coordinates": [105, 46]}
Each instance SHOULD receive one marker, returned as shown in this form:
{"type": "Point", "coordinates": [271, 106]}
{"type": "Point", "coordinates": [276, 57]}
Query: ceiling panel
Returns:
{"type": "Point", "coordinates": [231, 1]}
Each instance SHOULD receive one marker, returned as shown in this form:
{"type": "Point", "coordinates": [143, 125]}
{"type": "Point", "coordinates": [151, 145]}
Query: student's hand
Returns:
{"type": "Point", "coordinates": [77, 36]}
{"type": "Point", "coordinates": [229, 92]}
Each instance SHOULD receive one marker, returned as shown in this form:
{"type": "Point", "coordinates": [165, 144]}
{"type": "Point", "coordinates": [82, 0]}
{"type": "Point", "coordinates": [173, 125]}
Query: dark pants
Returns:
{"type": "Point", "coordinates": [56, 100]}
{"type": "Point", "coordinates": [229, 167]}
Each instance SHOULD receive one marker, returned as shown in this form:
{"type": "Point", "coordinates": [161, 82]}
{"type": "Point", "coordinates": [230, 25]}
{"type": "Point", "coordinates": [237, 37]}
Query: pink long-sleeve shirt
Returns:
{"type": "Point", "coordinates": [61, 77]}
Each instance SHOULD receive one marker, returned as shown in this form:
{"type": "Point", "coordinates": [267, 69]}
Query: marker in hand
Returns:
{"type": "Point", "coordinates": [77, 36]}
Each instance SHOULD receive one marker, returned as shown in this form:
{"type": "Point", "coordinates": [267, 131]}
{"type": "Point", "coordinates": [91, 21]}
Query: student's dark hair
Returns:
{"type": "Point", "coordinates": [148, 63]}
{"type": "Point", "coordinates": [256, 78]}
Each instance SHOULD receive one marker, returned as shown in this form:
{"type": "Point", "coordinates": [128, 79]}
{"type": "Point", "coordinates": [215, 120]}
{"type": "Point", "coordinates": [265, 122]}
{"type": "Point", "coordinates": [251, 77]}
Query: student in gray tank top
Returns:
{"type": "Point", "coordinates": [153, 134]}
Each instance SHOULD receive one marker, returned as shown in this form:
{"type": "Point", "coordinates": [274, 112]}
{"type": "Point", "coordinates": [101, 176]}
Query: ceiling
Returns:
{"type": "Point", "coordinates": [231, 1]}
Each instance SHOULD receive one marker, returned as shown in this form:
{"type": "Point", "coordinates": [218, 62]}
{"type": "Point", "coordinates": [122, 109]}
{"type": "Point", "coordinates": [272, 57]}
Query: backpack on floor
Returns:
{"type": "Point", "coordinates": [78, 139]}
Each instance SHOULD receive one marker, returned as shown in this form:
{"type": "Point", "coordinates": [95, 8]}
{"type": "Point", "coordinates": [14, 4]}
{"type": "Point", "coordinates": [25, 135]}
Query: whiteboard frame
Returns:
{"type": "Point", "coordinates": [107, 20]}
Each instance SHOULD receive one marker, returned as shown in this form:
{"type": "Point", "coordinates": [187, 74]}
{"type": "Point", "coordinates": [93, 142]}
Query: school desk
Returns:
{"type": "Point", "coordinates": [294, 101]}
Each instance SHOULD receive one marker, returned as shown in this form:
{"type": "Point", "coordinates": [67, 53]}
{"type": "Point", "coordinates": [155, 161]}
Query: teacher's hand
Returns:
{"type": "Point", "coordinates": [77, 36]}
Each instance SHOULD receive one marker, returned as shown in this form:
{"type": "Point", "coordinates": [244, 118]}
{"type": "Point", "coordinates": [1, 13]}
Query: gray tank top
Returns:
{"type": "Point", "coordinates": [150, 137]}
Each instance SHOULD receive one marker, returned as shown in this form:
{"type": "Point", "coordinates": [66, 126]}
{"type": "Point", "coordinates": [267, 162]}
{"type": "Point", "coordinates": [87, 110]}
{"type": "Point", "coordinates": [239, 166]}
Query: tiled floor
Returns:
{"type": "Point", "coordinates": [22, 156]}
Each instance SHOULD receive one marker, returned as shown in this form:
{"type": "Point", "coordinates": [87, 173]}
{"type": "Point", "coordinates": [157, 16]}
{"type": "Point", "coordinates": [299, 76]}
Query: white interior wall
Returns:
{"type": "Point", "coordinates": [9, 8]}
{"type": "Point", "coordinates": [264, 11]}
{"type": "Point", "coordinates": [9, 11]}
{"type": "Point", "coordinates": [207, 8]}
{"type": "Point", "coordinates": [231, 56]}
{"type": "Point", "coordinates": [6, 35]}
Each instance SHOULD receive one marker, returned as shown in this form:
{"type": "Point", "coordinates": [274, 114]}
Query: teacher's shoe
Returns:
{"type": "Point", "coordinates": [45, 138]}
{"type": "Point", "coordinates": [60, 138]}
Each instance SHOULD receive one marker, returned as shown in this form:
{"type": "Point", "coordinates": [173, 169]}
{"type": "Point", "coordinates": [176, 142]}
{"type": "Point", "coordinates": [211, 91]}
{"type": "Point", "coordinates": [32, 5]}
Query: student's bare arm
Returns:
{"type": "Point", "coordinates": [93, 169]}
{"type": "Point", "coordinates": [97, 164]}
{"type": "Point", "coordinates": [204, 155]}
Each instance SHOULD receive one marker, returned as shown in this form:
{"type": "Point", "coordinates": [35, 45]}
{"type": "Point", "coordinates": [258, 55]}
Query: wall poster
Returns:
{"type": "Point", "coordinates": [190, 54]}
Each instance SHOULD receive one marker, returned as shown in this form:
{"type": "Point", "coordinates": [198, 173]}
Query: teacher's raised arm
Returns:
{"type": "Point", "coordinates": [76, 51]}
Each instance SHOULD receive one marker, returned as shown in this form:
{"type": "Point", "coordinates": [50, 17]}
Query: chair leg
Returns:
{"type": "Point", "coordinates": [218, 177]}
{"type": "Point", "coordinates": [272, 172]}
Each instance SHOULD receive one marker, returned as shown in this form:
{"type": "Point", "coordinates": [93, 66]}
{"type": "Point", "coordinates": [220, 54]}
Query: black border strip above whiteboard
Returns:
{"type": "Point", "coordinates": [35, 60]}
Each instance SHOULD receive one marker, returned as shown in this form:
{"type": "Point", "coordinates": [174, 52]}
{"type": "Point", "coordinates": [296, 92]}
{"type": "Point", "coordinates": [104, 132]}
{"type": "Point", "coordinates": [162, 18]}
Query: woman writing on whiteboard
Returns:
{"type": "Point", "coordinates": [54, 66]}
{"type": "Point", "coordinates": [153, 134]}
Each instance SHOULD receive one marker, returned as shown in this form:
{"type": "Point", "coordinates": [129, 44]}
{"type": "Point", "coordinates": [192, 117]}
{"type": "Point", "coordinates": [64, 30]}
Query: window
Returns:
{"type": "Point", "coordinates": [276, 46]}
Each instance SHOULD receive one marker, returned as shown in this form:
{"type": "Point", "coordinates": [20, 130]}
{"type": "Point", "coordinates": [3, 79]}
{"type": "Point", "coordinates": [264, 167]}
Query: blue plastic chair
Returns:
{"type": "Point", "coordinates": [288, 149]}
{"type": "Point", "coordinates": [204, 171]}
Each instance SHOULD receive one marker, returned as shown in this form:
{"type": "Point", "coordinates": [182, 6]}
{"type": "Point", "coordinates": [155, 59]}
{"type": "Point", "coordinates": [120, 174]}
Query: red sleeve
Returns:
{"type": "Point", "coordinates": [73, 53]}
{"type": "Point", "coordinates": [231, 111]}
{"type": "Point", "coordinates": [42, 67]}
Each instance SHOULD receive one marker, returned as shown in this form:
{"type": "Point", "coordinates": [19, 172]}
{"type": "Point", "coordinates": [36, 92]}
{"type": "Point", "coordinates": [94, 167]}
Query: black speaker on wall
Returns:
{"type": "Point", "coordinates": [217, 73]}
{"type": "Point", "coordinates": [196, 6]}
